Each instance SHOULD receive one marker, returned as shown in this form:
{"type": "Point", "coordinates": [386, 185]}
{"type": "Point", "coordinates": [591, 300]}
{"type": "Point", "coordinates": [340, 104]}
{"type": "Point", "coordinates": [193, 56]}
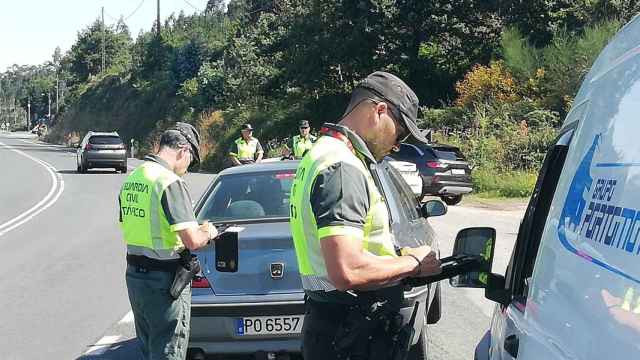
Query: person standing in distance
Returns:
{"type": "Point", "coordinates": [158, 225]}
{"type": "Point", "coordinates": [246, 149]}
{"type": "Point", "coordinates": [340, 222]}
{"type": "Point", "coordinates": [301, 143]}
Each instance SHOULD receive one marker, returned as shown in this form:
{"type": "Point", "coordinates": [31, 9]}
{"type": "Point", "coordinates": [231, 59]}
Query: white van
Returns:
{"type": "Point", "coordinates": [572, 287]}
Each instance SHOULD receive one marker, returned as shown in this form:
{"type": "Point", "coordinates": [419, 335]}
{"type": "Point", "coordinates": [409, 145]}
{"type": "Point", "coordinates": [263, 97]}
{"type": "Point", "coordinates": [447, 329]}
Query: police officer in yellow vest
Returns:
{"type": "Point", "coordinates": [246, 149]}
{"type": "Point", "coordinates": [340, 221]}
{"type": "Point", "coordinates": [300, 144]}
{"type": "Point", "coordinates": [158, 224]}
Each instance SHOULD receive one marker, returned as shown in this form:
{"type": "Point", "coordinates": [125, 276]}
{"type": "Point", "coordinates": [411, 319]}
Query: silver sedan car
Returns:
{"type": "Point", "coordinates": [259, 309]}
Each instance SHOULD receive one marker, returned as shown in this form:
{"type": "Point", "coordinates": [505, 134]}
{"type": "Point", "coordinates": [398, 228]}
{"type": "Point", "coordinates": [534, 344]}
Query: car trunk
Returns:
{"type": "Point", "coordinates": [261, 245]}
{"type": "Point", "coordinates": [453, 162]}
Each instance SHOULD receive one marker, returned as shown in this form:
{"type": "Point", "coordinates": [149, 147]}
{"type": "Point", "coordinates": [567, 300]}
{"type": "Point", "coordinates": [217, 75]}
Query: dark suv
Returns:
{"type": "Point", "coordinates": [444, 170]}
{"type": "Point", "coordinates": [101, 150]}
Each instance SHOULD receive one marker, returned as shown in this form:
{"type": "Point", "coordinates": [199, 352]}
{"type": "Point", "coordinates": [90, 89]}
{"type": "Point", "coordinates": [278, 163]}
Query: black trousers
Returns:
{"type": "Point", "coordinates": [321, 323]}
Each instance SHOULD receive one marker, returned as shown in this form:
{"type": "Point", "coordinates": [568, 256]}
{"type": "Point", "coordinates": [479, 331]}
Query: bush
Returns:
{"type": "Point", "coordinates": [494, 183]}
{"type": "Point", "coordinates": [485, 84]}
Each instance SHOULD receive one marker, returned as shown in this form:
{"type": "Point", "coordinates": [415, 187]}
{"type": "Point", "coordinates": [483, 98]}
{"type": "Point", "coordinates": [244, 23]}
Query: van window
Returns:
{"type": "Point", "coordinates": [532, 225]}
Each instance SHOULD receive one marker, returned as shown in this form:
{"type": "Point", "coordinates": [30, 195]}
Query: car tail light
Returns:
{"type": "Point", "coordinates": [435, 165]}
{"type": "Point", "coordinates": [88, 147]}
{"type": "Point", "coordinates": [200, 282]}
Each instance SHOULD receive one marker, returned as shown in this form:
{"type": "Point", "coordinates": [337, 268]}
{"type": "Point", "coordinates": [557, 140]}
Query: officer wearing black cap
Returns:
{"type": "Point", "coordinates": [246, 149]}
{"type": "Point", "coordinates": [159, 228]}
{"type": "Point", "coordinates": [347, 258]}
{"type": "Point", "coordinates": [300, 144]}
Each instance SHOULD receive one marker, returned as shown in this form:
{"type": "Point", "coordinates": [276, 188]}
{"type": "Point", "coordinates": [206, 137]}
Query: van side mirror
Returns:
{"type": "Point", "coordinates": [433, 208]}
{"type": "Point", "coordinates": [475, 241]}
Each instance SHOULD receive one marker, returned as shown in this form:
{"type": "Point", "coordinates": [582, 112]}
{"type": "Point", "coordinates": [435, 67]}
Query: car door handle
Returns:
{"type": "Point", "coordinates": [511, 344]}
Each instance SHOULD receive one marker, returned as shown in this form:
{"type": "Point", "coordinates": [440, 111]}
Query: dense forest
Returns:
{"type": "Point", "coordinates": [495, 77]}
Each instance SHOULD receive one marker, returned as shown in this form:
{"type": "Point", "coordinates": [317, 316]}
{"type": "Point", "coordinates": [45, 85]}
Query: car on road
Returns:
{"type": "Point", "coordinates": [445, 171]}
{"type": "Point", "coordinates": [101, 150]}
{"type": "Point", "coordinates": [260, 308]}
{"type": "Point", "coordinates": [410, 175]}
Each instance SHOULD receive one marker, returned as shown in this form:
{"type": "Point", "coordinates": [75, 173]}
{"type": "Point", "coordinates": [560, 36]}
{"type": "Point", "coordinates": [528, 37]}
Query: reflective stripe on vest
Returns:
{"type": "Point", "coordinates": [375, 236]}
{"type": "Point", "coordinates": [144, 225]}
{"type": "Point", "coordinates": [300, 145]}
{"type": "Point", "coordinates": [246, 150]}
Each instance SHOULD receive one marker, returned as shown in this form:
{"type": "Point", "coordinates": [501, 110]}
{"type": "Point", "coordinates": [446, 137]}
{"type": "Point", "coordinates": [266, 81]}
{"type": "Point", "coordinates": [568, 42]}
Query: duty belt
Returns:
{"type": "Point", "coordinates": [148, 263]}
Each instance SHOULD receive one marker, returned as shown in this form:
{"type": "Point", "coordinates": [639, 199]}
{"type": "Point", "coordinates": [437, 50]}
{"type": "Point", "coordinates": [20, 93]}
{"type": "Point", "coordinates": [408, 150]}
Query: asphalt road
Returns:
{"type": "Point", "coordinates": [62, 260]}
{"type": "Point", "coordinates": [62, 263]}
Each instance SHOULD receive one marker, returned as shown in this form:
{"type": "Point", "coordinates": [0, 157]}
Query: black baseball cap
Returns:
{"type": "Point", "coordinates": [392, 89]}
{"type": "Point", "coordinates": [247, 127]}
{"type": "Point", "coordinates": [304, 124]}
{"type": "Point", "coordinates": [193, 138]}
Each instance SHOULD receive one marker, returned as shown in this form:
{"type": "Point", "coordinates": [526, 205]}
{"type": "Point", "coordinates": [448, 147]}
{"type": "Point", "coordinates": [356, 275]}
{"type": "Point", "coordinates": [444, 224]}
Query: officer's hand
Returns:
{"type": "Point", "coordinates": [429, 263]}
{"type": "Point", "coordinates": [209, 229]}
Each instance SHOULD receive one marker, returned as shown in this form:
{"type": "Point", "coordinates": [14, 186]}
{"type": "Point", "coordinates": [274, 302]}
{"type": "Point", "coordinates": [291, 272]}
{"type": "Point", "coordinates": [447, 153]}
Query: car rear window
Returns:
{"type": "Point", "coordinates": [448, 153]}
{"type": "Point", "coordinates": [105, 140]}
{"type": "Point", "coordinates": [249, 196]}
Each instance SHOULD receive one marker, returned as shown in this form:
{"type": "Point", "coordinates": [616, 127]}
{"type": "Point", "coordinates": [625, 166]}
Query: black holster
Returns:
{"type": "Point", "coordinates": [374, 331]}
{"type": "Point", "coordinates": [187, 270]}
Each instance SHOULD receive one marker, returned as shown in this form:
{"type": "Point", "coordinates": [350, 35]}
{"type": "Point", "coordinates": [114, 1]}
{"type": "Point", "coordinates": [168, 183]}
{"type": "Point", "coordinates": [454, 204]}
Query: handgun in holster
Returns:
{"type": "Point", "coordinates": [188, 269]}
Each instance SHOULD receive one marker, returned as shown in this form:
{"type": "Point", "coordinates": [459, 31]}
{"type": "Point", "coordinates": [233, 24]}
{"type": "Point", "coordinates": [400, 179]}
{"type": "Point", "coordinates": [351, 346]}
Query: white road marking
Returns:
{"type": "Point", "coordinates": [57, 187]}
{"type": "Point", "coordinates": [127, 319]}
{"type": "Point", "coordinates": [102, 344]}
{"type": "Point", "coordinates": [106, 341]}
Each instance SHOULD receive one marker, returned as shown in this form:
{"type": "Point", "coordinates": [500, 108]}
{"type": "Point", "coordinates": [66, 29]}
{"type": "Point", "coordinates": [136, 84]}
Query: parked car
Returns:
{"type": "Point", "coordinates": [101, 150]}
{"type": "Point", "coordinates": [259, 309]}
{"type": "Point", "coordinates": [410, 175]}
{"type": "Point", "coordinates": [445, 171]}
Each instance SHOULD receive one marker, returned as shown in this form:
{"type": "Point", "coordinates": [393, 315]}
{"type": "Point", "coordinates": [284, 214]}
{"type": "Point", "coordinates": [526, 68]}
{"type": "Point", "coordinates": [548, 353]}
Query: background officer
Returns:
{"type": "Point", "coordinates": [340, 221]}
{"type": "Point", "coordinates": [300, 143]}
{"type": "Point", "coordinates": [246, 149]}
{"type": "Point", "coordinates": [157, 221]}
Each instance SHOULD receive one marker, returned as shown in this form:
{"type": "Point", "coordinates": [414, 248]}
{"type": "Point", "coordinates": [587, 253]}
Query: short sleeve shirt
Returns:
{"type": "Point", "coordinates": [340, 196]}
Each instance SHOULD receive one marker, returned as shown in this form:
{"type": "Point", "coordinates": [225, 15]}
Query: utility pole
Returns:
{"type": "Point", "coordinates": [49, 115]}
{"type": "Point", "coordinates": [102, 69]}
{"type": "Point", "coordinates": [158, 19]}
{"type": "Point", "coordinates": [29, 114]}
{"type": "Point", "coordinates": [57, 93]}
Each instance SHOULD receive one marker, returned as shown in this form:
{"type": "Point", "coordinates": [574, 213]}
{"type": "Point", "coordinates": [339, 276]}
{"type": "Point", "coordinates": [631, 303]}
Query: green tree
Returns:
{"type": "Point", "coordinates": [85, 57]}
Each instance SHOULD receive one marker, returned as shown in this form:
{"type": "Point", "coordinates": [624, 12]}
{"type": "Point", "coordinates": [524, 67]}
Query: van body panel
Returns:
{"type": "Point", "coordinates": [583, 299]}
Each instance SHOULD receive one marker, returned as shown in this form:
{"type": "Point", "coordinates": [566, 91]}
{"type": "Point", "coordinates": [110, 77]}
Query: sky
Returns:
{"type": "Point", "coordinates": [30, 30]}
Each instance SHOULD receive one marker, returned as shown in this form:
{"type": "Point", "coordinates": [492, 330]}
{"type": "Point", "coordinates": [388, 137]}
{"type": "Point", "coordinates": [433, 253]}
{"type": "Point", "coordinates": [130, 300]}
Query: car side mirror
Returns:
{"type": "Point", "coordinates": [433, 208]}
{"type": "Point", "coordinates": [475, 241]}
